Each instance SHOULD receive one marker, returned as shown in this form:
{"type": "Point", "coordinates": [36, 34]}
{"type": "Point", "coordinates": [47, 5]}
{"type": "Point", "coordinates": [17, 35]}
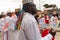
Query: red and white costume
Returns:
{"type": "Point", "coordinates": [47, 18]}
{"type": "Point", "coordinates": [46, 34]}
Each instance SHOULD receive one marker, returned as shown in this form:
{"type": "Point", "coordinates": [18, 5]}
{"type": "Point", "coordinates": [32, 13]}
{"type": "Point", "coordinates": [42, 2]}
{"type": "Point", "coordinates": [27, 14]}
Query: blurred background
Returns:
{"type": "Point", "coordinates": [16, 6]}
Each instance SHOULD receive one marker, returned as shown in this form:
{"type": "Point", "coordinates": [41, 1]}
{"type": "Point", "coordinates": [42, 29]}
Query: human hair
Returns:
{"type": "Point", "coordinates": [0, 16]}
{"type": "Point", "coordinates": [9, 14]}
{"type": "Point", "coordinates": [30, 8]}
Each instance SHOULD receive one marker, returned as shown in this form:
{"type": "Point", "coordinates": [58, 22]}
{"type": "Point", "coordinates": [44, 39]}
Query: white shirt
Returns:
{"type": "Point", "coordinates": [13, 21]}
{"type": "Point", "coordinates": [2, 22]}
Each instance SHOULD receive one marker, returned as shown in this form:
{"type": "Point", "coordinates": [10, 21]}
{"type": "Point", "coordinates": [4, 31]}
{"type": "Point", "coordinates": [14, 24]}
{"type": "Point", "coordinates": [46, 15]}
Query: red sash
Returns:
{"type": "Point", "coordinates": [6, 25]}
{"type": "Point", "coordinates": [45, 32]}
{"type": "Point", "coordinates": [47, 19]}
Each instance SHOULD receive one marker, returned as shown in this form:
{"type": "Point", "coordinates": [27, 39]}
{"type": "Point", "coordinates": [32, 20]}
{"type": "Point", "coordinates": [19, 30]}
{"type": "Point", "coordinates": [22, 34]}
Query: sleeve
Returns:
{"type": "Point", "coordinates": [32, 31]}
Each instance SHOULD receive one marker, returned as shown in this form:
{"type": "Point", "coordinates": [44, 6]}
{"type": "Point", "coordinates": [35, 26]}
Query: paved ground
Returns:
{"type": "Point", "coordinates": [0, 36]}
{"type": "Point", "coordinates": [57, 36]}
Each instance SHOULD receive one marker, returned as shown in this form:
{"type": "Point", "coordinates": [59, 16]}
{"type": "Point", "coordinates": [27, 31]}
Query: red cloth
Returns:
{"type": "Point", "coordinates": [53, 38]}
{"type": "Point", "coordinates": [45, 32]}
{"type": "Point", "coordinates": [47, 19]}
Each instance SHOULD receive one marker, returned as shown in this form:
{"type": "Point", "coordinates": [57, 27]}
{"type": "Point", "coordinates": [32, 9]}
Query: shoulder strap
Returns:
{"type": "Point", "coordinates": [18, 22]}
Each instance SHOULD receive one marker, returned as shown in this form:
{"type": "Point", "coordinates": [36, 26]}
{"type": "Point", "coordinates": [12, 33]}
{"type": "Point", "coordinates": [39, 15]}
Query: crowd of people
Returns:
{"type": "Point", "coordinates": [28, 24]}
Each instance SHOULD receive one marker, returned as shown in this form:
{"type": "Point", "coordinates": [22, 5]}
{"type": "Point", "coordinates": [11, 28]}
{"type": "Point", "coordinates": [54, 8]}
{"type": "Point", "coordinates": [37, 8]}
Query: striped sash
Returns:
{"type": "Point", "coordinates": [6, 25]}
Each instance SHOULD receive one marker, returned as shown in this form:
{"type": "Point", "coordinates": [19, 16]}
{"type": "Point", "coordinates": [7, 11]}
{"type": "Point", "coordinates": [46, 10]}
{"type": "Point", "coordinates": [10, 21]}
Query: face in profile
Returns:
{"type": "Point", "coordinates": [45, 12]}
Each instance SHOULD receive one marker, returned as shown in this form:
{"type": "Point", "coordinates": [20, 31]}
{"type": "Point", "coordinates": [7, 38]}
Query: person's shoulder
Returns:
{"type": "Point", "coordinates": [28, 17]}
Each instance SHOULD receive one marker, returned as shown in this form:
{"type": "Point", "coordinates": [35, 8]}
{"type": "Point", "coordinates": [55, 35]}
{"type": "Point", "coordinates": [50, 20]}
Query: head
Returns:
{"type": "Point", "coordinates": [39, 12]}
{"type": "Point", "coordinates": [9, 14]}
{"type": "Point", "coordinates": [13, 13]}
{"type": "Point", "coordinates": [54, 13]}
{"type": "Point", "coordinates": [30, 8]}
{"type": "Point", "coordinates": [45, 12]}
{"type": "Point", "coordinates": [3, 15]}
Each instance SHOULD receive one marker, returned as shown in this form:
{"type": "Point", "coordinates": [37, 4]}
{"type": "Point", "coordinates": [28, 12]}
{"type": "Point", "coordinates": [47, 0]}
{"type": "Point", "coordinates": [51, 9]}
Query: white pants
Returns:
{"type": "Point", "coordinates": [5, 35]}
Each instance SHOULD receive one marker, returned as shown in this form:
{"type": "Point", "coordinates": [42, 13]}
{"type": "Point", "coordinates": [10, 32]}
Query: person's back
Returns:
{"type": "Point", "coordinates": [29, 26]}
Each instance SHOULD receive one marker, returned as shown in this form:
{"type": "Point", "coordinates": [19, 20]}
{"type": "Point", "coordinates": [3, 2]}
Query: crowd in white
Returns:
{"type": "Point", "coordinates": [29, 29]}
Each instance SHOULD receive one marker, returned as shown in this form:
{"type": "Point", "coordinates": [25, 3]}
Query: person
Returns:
{"type": "Point", "coordinates": [12, 18]}
{"type": "Point", "coordinates": [12, 32]}
{"type": "Point", "coordinates": [46, 18]}
{"type": "Point", "coordinates": [8, 25]}
{"type": "Point", "coordinates": [41, 18]}
{"type": "Point", "coordinates": [54, 20]}
{"type": "Point", "coordinates": [4, 27]}
{"type": "Point", "coordinates": [29, 26]}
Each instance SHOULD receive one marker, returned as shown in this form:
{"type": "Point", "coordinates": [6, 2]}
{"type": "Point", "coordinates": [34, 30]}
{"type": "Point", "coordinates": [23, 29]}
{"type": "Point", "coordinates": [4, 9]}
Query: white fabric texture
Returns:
{"type": "Point", "coordinates": [30, 27]}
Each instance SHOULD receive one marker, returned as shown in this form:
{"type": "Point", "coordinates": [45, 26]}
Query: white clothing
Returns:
{"type": "Point", "coordinates": [30, 27]}
{"type": "Point", "coordinates": [47, 37]}
{"type": "Point", "coordinates": [3, 22]}
{"type": "Point", "coordinates": [13, 34]}
{"type": "Point", "coordinates": [41, 22]}
{"type": "Point", "coordinates": [54, 22]}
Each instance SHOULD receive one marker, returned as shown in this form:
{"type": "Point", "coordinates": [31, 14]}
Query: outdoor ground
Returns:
{"type": "Point", "coordinates": [0, 36]}
{"type": "Point", "coordinates": [56, 38]}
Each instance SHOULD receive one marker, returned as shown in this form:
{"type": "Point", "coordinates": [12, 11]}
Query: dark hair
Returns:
{"type": "Point", "coordinates": [1, 16]}
{"type": "Point", "coordinates": [36, 17]}
{"type": "Point", "coordinates": [9, 14]}
{"type": "Point", "coordinates": [30, 8]}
